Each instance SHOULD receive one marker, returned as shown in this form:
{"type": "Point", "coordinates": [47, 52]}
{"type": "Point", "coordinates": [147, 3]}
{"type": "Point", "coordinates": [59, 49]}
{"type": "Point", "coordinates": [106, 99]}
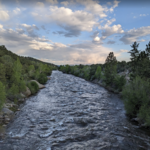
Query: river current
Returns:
{"type": "Point", "coordinates": [73, 114]}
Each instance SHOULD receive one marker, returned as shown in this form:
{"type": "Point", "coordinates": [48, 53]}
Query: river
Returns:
{"type": "Point", "coordinates": [73, 114]}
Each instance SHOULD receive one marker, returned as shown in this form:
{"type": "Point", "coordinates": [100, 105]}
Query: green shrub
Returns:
{"type": "Point", "coordinates": [33, 86]}
{"type": "Point", "coordinates": [98, 72]}
{"type": "Point", "coordinates": [137, 99]}
{"type": "Point", "coordinates": [2, 95]}
{"type": "Point", "coordinates": [119, 82]}
{"type": "Point", "coordinates": [13, 92]}
{"type": "Point", "coordinates": [42, 78]}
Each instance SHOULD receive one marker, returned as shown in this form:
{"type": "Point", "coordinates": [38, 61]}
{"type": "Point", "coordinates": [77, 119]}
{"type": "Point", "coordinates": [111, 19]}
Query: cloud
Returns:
{"type": "Point", "coordinates": [4, 16]}
{"type": "Point", "coordinates": [30, 29]}
{"type": "Point", "coordinates": [112, 30]}
{"type": "Point", "coordinates": [20, 31]}
{"type": "Point", "coordinates": [70, 33]}
{"type": "Point", "coordinates": [94, 7]}
{"type": "Point", "coordinates": [40, 5]}
{"type": "Point", "coordinates": [135, 34]}
{"type": "Point", "coordinates": [73, 22]}
{"type": "Point", "coordinates": [16, 11]}
{"type": "Point", "coordinates": [143, 15]}
{"type": "Point", "coordinates": [52, 1]}
{"type": "Point", "coordinates": [123, 50]}
{"type": "Point", "coordinates": [43, 27]}
{"type": "Point", "coordinates": [115, 4]}
{"type": "Point", "coordinates": [108, 30]}
{"type": "Point", "coordinates": [1, 26]}
{"type": "Point", "coordinates": [65, 3]}
{"type": "Point", "coordinates": [57, 53]}
{"type": "Point", "coordinates": [111, 42]}
{"type": "Point", "coordinates": [96, 38]}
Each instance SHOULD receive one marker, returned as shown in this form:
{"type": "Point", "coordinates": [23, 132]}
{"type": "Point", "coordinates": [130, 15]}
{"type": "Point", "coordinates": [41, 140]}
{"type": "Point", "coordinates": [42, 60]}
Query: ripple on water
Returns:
{"type": "Point", "coordinates": [71, 113]}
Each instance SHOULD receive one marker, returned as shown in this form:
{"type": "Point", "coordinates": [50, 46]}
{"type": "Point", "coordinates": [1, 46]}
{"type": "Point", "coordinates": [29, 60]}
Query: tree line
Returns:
{"type": "Point", "coordinates": [135, 92]}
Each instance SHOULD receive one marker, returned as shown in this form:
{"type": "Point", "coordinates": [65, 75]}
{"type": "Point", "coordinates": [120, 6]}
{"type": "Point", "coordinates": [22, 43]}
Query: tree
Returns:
{"type": "Point", "coordinates": [134, 53]}
{"type": "Point", "coordinates": [148, 49]}
{"type": "Point", "coordinates": [110, 68]}
{"type": "Point", "coordinates": [8, 63]}
{"type": "Point", "coordinates": [137, 99]}
{"type": "Point", "coordinates": [110, 58]}
{"type": "Point", "coordinates": [2, 73]}
{"type": "Point", "coordinates": [140, 61]}
{"type": "Point", "coordinates": [16, 78]}
{"type": "Point", "coordinates": [98, 72]}
{"type": "Point", "coordinates": [2, 95]}
{"type": "Point", "coordinates": [31, 70]}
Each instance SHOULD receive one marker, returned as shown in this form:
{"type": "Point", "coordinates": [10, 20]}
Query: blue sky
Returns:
{"type": "Point", "coordinates": [74, 31]}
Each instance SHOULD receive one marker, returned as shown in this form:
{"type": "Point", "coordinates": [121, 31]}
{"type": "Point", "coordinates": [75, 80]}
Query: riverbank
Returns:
{"type": "Point", "coordinates": [10, 109]}
{"type": "Point", "coordinates": [72, 113]}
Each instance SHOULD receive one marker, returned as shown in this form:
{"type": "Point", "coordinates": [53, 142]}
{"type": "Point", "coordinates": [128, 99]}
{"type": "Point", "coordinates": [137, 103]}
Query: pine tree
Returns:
{"type": "Point", "coordinates": [110, 58]}
{"type": "Point", "coordinates": [134, 53]}
{"type": "Point", "coordinates": [110, 68]}
{"type": "Point", "coordinates": [148, 49]}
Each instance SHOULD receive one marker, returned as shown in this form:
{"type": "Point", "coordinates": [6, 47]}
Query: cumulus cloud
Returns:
{"type": "Point", "coordinates": [57, 53]}
{"type": "Point", "coordinates": [1, 26]}
{"type": "Point", "coordinates": [108, 30]}
{"type": "Point", "coordinates": [30, 29]}
{"type": "Point", "coordinates": [112, 30]}
{"type": "Point", "coordinates": [40, 5]}
{"type": "Point", "coordinates": [96, 38]}
{"type": "Point", "coordinates": [135, 35]}
{"type": "Point", "coordinates": [4, 15]}
{"type": "Point", "coordinates": [115, 4]}
{"type": "Point", "coordinates": [16, 11]}
{"type": "Point", "coordinates": [20, 31]}
{"type": "Point", "coordinates": [94, 7]}
{"type": "Point", "coordinates": [52, 1]}
{"type": "Point", "coordinates": [65, 3]}
{"type": "Point", "coordinates": [73, 22]}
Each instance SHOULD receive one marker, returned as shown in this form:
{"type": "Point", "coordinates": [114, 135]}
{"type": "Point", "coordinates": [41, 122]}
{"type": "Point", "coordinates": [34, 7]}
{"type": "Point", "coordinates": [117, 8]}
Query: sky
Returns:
{"type": "Point", "coordinates": [75, 31]}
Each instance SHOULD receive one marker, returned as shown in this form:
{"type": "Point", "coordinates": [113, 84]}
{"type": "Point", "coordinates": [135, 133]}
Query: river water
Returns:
{"type": "Point", "coordinates": [73, 114]}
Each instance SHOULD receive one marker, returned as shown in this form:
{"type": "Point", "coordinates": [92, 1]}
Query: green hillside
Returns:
{"type": "Point", "coordinates": [16, 72]}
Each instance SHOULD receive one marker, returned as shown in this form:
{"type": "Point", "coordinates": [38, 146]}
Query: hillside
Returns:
{"type": "Point", "coordinates": [16, 72]}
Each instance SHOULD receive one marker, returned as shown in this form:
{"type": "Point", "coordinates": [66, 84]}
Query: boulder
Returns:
{"type": "Point", "coordinates": [7, 112]}
{"type": "Point", "coordinates": [27, 92]}
{"type": "Point", "coordinates": [48, 78]}
{"type": "Point", "coordinates": [40, 85]}
{"type": "Point", "coordinates": [22, 95]}
{"type": "Point", "coordinates": [1, 118]}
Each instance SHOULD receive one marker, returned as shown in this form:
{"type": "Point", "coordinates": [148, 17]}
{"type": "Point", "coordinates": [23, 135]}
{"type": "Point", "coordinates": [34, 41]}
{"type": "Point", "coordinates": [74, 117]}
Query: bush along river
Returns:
{"type": "Point", "coordinates": [73, 114]}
